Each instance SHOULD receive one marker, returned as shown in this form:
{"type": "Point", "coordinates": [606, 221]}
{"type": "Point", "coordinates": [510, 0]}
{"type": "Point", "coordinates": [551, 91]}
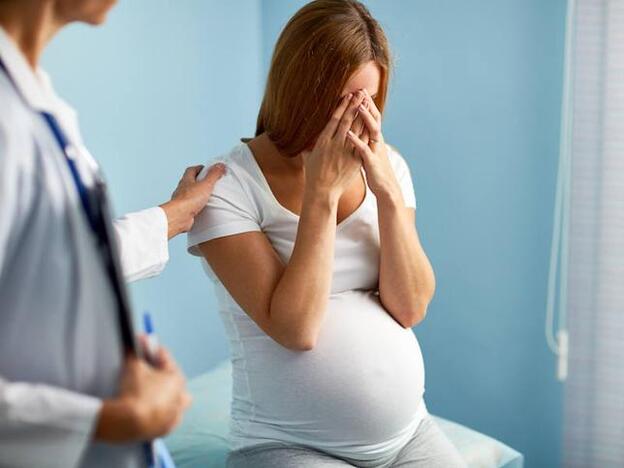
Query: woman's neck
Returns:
{"type": "Point", "coordinates": [30, 24]}
{"type": "Point", "coordinates": [262, 144]}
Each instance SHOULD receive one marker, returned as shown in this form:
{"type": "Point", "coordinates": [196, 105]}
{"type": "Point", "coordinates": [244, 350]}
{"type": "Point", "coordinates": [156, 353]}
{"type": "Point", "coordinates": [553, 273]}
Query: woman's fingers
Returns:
{"type": "Point", "coordinates": [345, 117]}
{"type": "Point", "coordinates": [336, 117]}
{"type": "Point", "coordinates": [365, 137]}
{"type": "Point", "coordinates": [349, 116]}
{"type": "Point", "coordinates": [373, 126]}
{"type": "Point", "coordinates": [362, 148]}
{"type": "Point", "coordinates": [373, 107]}
{"type": "Point", "coordinates": [358, 128]}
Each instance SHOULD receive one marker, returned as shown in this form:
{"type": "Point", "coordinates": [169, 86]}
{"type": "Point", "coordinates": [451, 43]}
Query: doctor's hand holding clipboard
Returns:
{"type": "Point", "coordinates": [74, 389]}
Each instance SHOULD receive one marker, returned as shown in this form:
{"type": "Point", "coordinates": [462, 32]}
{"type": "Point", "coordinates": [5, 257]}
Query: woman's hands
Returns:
{"type": "Point", "coordinates": [371, 148]}
{"type": "Point", "coordinates": [150, 404]}
{"type": "Point", "coordinates": [331, 165]}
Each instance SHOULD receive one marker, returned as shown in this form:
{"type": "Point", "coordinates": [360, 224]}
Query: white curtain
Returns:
{"type": "Point", "coordinates": [594, 391]}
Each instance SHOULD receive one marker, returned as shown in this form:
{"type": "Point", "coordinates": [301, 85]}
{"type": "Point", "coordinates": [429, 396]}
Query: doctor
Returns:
{"type": "Point", "coordinates": [69, 394]}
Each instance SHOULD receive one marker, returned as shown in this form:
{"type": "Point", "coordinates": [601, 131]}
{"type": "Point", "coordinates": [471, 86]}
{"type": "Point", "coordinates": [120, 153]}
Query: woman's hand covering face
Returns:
{"type": "Point", "coordinates": [332, 163]}
{"type": "Point", "coordinates": [370, 147]}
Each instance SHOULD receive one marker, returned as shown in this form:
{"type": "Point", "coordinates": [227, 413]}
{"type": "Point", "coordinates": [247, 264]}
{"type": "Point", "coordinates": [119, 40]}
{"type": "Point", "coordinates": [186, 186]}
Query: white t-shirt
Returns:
{"type": "Point", "coordinates": [358, 393]}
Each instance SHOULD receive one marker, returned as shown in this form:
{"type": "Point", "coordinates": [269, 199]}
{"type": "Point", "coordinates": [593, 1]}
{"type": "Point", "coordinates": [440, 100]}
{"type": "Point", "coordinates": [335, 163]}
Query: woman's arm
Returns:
{"type": "Point", "coordinates": [406, 278]}
{"type": "Point", "coordinates": [288, 301]}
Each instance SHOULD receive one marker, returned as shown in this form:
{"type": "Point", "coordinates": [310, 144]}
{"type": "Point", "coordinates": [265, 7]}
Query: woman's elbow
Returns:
{"type": "Point", "coordinates": [414, 314]}
{"type": "Point", "coordinates": [414, 318]}
{"type": "Point", "coordinates": [299, 342]}
{"type": "Point", "coordinates": [305, 345]}
{"type": "Point", "coordinates": [295, 337]}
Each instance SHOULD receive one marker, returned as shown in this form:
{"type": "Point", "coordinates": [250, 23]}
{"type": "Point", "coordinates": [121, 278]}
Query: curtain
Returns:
{"type": "Point", "coordinates": [593, 434]}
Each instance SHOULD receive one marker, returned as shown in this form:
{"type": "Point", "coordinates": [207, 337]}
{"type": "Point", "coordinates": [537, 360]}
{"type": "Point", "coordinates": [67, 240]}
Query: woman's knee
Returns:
{"type": "Point", "coordinates": [429, 447]}
{"type": "Point", "coordinates": [282, 456]}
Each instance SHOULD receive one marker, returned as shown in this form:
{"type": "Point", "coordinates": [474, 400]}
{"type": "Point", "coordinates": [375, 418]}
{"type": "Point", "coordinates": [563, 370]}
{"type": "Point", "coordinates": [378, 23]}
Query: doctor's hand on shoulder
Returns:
{"type": "Point", "coordinates": [150, 403]}
{"type": "Point", "coordinates": [189, 197]}
{"type": "Point", "coordinates": [143, 236]}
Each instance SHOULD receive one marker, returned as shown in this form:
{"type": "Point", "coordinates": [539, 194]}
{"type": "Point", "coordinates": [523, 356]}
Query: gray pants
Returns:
{"type": "Point", "coordinates": [428, 448]}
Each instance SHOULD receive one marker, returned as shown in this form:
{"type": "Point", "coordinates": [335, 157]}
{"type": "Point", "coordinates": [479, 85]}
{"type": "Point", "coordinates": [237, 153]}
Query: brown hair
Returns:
{"type": "Point", "coordinates": [322, 45]}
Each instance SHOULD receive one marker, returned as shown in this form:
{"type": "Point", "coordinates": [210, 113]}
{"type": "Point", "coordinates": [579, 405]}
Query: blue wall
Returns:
{"type": "Point", "coordinates": [474, 108]}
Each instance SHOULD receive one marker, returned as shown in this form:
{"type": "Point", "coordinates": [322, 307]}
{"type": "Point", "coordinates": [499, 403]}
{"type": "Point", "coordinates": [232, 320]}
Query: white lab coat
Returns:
{"type": "Point", "coordinates": [60, 350]}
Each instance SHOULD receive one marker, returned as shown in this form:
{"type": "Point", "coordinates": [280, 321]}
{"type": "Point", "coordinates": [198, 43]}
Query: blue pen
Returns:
{"type": "Point", "coordinates": [156, 453]}
{"type": "Point", "coordinates": [152, 344]}
{"type": "Point", "coordinates": [151, 350]}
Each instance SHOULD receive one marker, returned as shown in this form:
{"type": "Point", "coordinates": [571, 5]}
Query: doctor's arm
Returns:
{"type": "Point", "coordinates": [37, 420]}
{"type": "Point", "coordinates": [142, 237]}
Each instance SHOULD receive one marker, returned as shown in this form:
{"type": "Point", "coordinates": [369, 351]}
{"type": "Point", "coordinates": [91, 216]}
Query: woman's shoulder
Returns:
{"type": "Point", "coordinates": [240, 181]}
{"type": "Point", "coordinates": [234, 207]}
{"type": "Point", "coordinates": [233, 158]}
{"type": "Point", "coordinates": [237, 164]}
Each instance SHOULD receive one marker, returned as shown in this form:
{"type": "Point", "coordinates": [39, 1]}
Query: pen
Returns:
{"type": "Point", "coordinates": [151, 342]}
{"type": "Point", "coordinates": [151, 353]}
{"type": "Point", "coordinates": [156, 452]}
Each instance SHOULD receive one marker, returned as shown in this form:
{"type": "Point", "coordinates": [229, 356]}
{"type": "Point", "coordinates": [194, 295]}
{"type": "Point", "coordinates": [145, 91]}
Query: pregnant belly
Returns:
{"type": "Point", "coordinates": [361, 385]}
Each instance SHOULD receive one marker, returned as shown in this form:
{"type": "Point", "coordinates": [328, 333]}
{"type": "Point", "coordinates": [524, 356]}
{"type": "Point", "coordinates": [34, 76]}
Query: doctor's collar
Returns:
{"type": "Point", "coordinates": [34, 87]}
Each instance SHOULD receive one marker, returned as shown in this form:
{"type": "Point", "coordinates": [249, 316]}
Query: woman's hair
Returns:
{"type": "Point", "coordinates": [320, 48]}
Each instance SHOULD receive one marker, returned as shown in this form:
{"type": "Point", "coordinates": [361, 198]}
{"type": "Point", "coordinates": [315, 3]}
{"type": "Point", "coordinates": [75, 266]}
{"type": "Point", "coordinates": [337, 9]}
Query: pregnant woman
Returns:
{"type": "Point", "coordinates": [310, 238]}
